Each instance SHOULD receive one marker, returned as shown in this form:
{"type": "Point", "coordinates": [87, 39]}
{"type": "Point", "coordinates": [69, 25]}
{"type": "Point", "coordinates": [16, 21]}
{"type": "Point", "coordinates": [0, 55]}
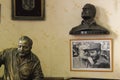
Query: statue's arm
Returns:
{"type": "Point", "coordinates": [37, 72]}
{"type": "Point", "coordinates": [2, 57]}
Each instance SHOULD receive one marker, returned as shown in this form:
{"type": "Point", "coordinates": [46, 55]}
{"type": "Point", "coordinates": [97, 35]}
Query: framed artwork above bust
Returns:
{"type": "Point", "coordinates": [28, 9]}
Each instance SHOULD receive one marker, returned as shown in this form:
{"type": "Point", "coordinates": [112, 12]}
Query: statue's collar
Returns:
{"type": "Point", "coordinates": [90, 22]}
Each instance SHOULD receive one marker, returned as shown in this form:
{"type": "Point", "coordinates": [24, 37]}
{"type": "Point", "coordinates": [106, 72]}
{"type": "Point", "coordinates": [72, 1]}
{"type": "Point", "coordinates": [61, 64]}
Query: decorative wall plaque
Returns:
{"type": "Point", "coordinates": [28, 9]}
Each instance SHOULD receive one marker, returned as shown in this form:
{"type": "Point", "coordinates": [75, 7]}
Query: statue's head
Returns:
{"type": "Point", "coordinates": [24, 45]}
{"type": "Point", "coordinates": [89, 11]}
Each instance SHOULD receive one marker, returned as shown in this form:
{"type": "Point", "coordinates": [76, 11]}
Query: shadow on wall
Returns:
{"type": "Point", "coordinates": [102, 19]}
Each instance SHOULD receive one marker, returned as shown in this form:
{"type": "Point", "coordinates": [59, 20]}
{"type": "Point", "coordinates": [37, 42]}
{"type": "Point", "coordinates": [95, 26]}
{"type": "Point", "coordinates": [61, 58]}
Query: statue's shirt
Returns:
{"type": "Point", "coordinates": [29, 69]}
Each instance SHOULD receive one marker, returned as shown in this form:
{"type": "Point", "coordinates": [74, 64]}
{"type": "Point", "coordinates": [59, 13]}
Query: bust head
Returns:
{"type": "Point", "coordinates": [89, 11]}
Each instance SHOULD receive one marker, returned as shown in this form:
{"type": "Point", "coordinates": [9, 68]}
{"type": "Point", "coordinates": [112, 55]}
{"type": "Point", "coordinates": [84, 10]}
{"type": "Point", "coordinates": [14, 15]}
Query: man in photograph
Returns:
{"type": "Point", "coordinates": [94, 57]}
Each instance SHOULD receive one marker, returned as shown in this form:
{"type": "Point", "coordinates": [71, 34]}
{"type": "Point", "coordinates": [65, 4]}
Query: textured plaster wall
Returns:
{"type": "Point", "coordinates": [51, 37]}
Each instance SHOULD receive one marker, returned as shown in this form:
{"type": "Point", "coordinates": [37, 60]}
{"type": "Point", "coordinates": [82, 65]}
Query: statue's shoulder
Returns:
{"type": "Point", "coordinates": [10, 49]}
{"type": "Point", "coordinates": [34, 57]}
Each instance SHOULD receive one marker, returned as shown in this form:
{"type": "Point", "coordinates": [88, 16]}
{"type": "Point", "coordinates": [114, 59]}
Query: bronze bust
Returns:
{"type": "Point", "coordinates": [88, 24]}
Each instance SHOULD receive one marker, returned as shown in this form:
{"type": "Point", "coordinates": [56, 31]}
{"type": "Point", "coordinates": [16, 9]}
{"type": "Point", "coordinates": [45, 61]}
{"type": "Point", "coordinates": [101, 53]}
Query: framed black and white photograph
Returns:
{"type": "Point", "coordinates": [28, 9]}
{"type": "Point", "coordinates": [91, 55]}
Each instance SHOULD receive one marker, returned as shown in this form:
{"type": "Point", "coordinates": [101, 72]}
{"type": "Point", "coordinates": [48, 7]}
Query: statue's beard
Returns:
{"type": "Point", "coordinates": [86, 17]}
{"type": "Point", "coordinates": [23, 54]}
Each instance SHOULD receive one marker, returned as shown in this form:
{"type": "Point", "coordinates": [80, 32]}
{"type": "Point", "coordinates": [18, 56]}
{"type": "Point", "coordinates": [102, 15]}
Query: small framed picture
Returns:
{"type": "Point", "coordinates": [91, 55]}
{"type": "Point", "coordinates": [28, 9]}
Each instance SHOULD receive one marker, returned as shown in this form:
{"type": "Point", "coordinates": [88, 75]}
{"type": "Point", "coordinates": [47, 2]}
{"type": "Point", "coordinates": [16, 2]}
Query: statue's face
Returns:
{"type": "Point", "coordinates": [88, 13]}
{"type": "Point", "coordinates": [23, 47]}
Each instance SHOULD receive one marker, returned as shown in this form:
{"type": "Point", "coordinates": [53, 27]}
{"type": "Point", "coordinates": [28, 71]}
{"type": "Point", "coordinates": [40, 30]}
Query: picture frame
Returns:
{"type": "Point", "coordinates": [94, 55]}
{"type": "Point", "coordinates": [28, 9]}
